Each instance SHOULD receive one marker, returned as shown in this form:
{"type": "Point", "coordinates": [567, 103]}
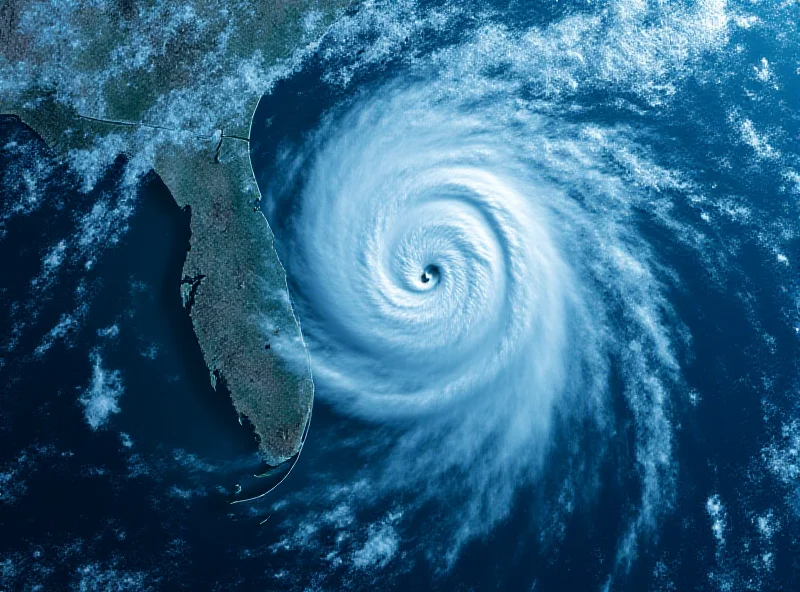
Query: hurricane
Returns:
{"type": "Point", "coordinates": [486, 224]}
{"type": "Point", "coordinates": [466, 243]}
{"type": "Point", "coordinates": [448, 279]}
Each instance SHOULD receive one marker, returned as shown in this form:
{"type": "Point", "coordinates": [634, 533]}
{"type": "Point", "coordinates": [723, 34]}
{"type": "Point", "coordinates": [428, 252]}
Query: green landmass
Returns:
{"type": "Point", "coordinates": [174, 85]}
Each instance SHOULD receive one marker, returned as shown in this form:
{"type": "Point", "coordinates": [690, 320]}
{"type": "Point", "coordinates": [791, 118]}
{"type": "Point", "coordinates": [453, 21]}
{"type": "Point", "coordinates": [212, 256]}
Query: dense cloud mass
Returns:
{"type": "Point", "coordinates": [450, 282]}
{"type": "Point", "coordinates": [476, 241]}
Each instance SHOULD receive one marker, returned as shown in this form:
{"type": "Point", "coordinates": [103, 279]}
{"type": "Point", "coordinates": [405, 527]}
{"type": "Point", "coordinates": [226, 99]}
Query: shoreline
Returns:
{"type": "Point", "coordinates": [241, 295]}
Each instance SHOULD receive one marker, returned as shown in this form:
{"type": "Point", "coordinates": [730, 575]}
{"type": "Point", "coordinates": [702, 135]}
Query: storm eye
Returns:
{"type": "Point", "coordinates": [431, 272]}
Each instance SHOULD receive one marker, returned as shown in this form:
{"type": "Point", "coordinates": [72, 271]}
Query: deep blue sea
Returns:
{"type": "Point", "coordinates": [544, 256]}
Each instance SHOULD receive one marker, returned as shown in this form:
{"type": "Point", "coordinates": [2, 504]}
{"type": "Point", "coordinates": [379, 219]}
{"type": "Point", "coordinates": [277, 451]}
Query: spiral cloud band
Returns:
{"type": "Point", "coordinates": [456, 263]}
{"type": "Point", "coordinates": [432, 273]}
{"type": "Point", "coordinates": [498, 235]}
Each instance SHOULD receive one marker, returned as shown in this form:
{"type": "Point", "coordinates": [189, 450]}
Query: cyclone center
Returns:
{"type": "Point", "coordinates": [429, 274]}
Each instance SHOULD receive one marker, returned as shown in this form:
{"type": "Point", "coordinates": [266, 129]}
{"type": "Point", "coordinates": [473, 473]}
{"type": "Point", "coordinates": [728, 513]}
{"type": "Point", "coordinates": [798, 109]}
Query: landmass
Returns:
{"type": "Point", "coordinates": [173, 87]}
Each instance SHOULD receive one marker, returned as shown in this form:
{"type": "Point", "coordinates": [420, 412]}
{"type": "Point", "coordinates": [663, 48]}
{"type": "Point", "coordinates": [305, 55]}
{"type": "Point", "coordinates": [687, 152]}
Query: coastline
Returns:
{"type": "Point", "coordinates": [240, 299]}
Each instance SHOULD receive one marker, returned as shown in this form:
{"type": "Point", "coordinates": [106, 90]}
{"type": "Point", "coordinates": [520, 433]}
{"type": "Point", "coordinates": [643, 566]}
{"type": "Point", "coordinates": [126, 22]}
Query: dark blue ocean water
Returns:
{"type": "Point", "coordinates": [664, 149]}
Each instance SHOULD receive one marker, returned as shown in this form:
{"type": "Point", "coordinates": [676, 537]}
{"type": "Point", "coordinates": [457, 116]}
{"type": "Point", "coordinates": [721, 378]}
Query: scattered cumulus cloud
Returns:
{"type": "Point", "coordinates": [100, 400]}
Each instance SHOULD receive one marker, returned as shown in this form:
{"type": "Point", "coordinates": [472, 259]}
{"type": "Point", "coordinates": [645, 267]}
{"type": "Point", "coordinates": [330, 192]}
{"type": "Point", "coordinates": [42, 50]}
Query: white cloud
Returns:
{"type": "Point", "coordinates": [716, 511]}
{"type": "Point", "coordinates": [379, 548]}
{"type": "Point", "coordinates": [100, 399]}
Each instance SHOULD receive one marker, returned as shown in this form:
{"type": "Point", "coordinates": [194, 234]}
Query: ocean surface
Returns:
{"type": "Point", "coordinates": [544, 255]}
